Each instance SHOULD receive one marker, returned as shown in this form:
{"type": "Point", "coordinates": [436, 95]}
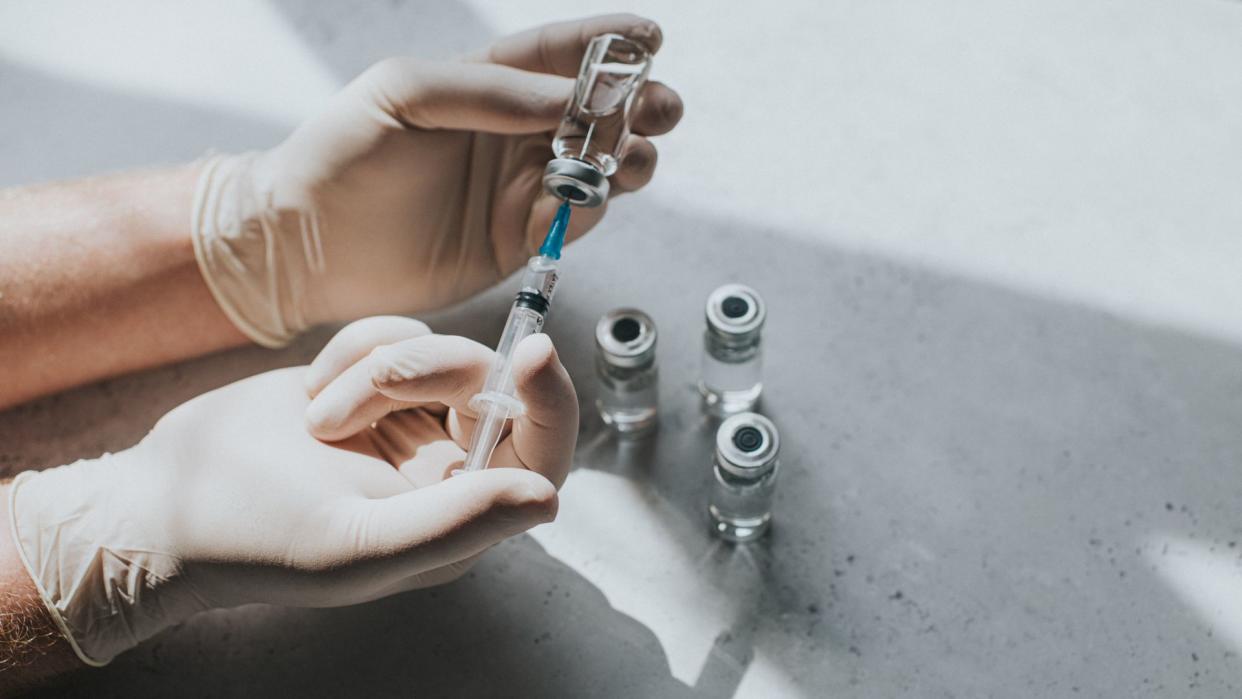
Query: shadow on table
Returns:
{"type": "Point", "coordinates": [519, 625]}
{"type": "Point", "coordinates": [969, 477]}
{"type": "Point", "coordinates": [511, 624]}
{"type": "Point", "coordinates": [971, 474]}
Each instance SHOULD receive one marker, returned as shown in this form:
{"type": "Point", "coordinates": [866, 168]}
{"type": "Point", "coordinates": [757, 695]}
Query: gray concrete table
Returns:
{"type": "Point", "coordinates": [986, 491]}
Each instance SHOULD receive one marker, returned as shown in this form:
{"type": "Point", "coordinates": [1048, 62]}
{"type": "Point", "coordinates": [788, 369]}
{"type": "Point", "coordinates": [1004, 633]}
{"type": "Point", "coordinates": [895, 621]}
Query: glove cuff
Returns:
{"type": "Point", "coordinates": [105, 575]}
{"type": "Point", "coordinates": [258, 259]}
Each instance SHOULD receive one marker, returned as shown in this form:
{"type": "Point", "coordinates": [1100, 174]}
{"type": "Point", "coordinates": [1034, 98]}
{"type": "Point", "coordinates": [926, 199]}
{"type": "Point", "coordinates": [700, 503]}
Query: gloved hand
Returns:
{"type": "Point", "coordinates": [418, 186]}
{"type": "Point", "coordinates": [230, 501]}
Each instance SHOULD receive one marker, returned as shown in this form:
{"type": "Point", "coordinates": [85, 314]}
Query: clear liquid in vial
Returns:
{"type": "Point", "coordinates": [628, 397]}
{"type": "Point", "coordinates": [732, 378]}
{"type": "Point", "coordinates": [741, 508]}
{"type": "Point", "coordinates": [595, 126]}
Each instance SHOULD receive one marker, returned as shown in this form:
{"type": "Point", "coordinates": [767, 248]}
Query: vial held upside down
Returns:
{"type": "Point", "coordinates": [589, 139]}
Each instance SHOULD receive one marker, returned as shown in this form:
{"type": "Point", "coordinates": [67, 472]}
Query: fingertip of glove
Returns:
{"type": "Point", "coordinates": [542, 380]}
{"type": "Point", "coordinates": [321, 421]}
{"type": "Point", "coordinates": [538, 497]}
{"type": "Point", "coordinates": [636, 28]}
{"type": "Point", "coordinates": [523, 495]}
{"type": "Point", "coordinates": [646, 32]}
{"type": "Point", "coordinates": [536, 354]}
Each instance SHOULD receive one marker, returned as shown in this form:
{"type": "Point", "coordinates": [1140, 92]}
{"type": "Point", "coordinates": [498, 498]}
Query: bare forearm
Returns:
{"type": "Point", "coordinates": [98, 278]}
{"type": "Point", "coordinates": [31, 649]}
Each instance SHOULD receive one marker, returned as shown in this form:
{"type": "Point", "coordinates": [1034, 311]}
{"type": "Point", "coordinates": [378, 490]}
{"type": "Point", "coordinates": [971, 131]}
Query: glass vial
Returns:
{"type": "Point", "coordinates": [588, 142]}
{"type": "Point", "coordinates": [744, 473]}
{"type": "Point", "coordinates": [625, 371]}
{"type": "Point", "coordinates": [732, 361]}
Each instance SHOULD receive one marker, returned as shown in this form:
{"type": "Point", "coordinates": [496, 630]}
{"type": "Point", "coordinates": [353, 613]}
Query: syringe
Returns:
{"type": "Point", "coordinates": [498, 401]}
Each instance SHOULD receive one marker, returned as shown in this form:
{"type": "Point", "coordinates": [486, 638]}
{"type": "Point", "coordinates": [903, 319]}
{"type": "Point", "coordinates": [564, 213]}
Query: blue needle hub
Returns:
{"type": "Point", "coordinates": [555, 239]}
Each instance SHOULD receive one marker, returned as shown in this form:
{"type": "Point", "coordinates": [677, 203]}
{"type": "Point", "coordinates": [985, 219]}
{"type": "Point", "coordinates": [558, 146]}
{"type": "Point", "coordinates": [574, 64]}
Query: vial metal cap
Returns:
{"type": "Point", "coordinates": [736, 311]}
{"type": "Point", "coordinates": [747, 445]}
{"type": "Point", "coordinates": [576, 181]}
{"type": "Point", "coordinates": [626, 337]}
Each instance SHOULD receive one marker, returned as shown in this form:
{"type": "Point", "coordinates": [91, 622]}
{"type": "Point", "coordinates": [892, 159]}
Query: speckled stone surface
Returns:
{"type": "Point", "coordinates": [984, 493]}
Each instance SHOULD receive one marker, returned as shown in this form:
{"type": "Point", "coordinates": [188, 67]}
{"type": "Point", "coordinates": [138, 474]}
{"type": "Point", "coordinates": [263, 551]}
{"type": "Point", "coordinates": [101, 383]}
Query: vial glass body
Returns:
{"type": "Point", "coordinates": [732, 378]}
{"type": "Point", "coordinates": [597, 120]}
{"type": "Point", "coordinates": [625, 370]}
{"type": "Point", "coordinates": [628, 396]}
{"type": "Point", "coordinates": [741, 507]}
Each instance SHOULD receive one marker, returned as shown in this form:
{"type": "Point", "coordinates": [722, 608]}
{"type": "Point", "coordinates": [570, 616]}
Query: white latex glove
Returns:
{"type": "Point", "coordinates": [419, 185]}
{"type": "Point", "coordinates": [230, 501]}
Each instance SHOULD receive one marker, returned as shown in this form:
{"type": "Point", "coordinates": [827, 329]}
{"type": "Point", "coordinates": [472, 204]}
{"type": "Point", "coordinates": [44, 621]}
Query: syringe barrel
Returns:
{"type": "Point", "coordinates": [498, 400]}
{"type": "Point", "coordinates": [523, 322]}
{"type": "Point", "coordinates": [530, 308]}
